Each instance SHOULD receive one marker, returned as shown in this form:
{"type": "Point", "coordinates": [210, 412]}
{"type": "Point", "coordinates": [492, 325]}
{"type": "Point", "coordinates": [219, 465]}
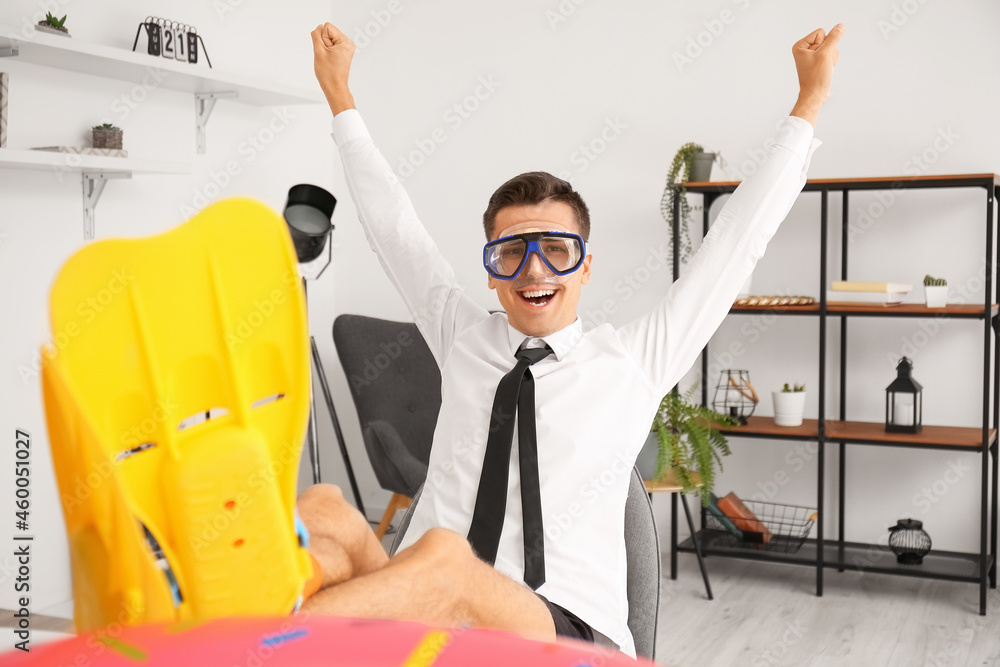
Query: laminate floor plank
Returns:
{"type": "Point", "coordinates": [767, 615]}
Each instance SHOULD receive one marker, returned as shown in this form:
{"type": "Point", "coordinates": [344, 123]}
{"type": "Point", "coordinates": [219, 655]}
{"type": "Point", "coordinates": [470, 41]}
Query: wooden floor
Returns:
{"type": "Point", "coordinates": [769, 615]}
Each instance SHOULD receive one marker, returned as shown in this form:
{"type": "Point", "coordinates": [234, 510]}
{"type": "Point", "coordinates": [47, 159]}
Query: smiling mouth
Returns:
{"type": "Point", "coordinates": [537, 297]}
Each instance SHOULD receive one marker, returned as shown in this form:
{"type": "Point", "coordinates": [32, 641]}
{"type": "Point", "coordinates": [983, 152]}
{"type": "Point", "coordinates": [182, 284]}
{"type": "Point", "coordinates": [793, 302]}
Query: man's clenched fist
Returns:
{"type": "Point", "coordinates": [815, 55]}
{"type": "Point", "coordinates": [332, 54]}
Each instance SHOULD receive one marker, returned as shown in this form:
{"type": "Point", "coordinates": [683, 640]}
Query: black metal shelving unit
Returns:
{"type": "Point", "coordinates": [838, 553]}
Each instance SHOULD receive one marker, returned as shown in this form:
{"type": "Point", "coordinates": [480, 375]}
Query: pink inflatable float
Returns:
{"type": "Point", "coordinates": [304, 641]}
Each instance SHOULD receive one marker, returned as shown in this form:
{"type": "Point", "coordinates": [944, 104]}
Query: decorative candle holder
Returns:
{"type": "Point", "coordinates": [735, 396]}
{"type": "Point", "coordinates": [904, 404]}
{"type": "Point", "coordinates": [909, 541]}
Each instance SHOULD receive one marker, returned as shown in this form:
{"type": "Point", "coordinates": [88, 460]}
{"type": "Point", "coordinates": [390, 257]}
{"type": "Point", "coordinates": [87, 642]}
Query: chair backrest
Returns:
{"type": "Point", "coordinates": [176, 396]}
{"type": "Point", "coordinates": [396, 386]}
{"type": "Point", "coordinates": [642, 549]}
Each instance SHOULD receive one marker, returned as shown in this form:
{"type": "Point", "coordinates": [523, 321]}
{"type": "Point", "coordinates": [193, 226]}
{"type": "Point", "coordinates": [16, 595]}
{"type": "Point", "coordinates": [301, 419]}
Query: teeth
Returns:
{"type": "Point", "coordinates": [537, 293]}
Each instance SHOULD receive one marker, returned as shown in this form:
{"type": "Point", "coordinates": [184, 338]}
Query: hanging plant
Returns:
{"type": "Point", "coordinates": [677, 180]}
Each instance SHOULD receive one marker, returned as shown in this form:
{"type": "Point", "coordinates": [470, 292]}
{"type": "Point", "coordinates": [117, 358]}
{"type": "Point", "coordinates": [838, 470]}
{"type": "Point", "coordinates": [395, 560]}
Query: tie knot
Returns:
{"type": "Point", "coordinates": [533, 354]}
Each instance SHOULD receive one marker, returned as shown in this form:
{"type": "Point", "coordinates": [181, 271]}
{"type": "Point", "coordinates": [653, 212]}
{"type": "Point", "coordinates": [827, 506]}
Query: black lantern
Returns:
{"type": "Point", "coordinates": [903, 401]}
{"type": "Point", "coordinates": [909, 541]}
{"type": "Point", "coordinates": [735, 396]}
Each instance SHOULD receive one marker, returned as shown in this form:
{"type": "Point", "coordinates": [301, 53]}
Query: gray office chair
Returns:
{"type": "Point", "coordinates": [642, 548]}
{"type": "Point", "coordinates": [396, 386]}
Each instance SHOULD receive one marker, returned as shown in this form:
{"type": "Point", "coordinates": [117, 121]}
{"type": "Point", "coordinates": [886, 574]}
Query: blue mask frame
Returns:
{"type": "Point", "coordinates": [531, 240]}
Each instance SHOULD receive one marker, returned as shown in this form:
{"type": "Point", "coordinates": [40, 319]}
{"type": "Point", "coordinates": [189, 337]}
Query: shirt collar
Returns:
{"type": "Point", "coordinates": [561, 341]}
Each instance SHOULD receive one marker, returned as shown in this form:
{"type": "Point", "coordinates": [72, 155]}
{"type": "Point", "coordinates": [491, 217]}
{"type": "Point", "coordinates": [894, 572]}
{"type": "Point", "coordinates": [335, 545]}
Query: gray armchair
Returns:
{"type": "Point", "coordinates": [396, 386]}
{"type": "Point", "coordinates": [642, 549]}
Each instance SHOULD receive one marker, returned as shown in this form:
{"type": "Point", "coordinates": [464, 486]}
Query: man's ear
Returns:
{"type": "Point", "coordinates": [491, 281]}
{"type": "Point", "coordinates": [585, 270]}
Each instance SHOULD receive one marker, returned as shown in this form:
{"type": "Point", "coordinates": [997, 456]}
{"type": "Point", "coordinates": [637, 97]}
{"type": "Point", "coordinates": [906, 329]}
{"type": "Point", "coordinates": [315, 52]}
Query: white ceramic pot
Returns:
{"type": "Point", "coordinates": [788, 407]}
{"type": "Point", "coordinates": [701, 169]}
{"type": "Point", "coordinates": [936, 295]}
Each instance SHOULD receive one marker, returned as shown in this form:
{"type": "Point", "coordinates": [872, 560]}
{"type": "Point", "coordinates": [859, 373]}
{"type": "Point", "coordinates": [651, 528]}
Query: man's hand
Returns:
{"type": "Point", "coordinates": [332, 52]}
{"type": "Point", "coordinates": [815, 55]}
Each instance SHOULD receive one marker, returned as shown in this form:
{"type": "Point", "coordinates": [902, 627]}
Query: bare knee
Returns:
{"type": "Point", "coordinates": [445, 545]}
{"type": "Point", "coordinates": [319, 503]}
{"type": "Point", "coordinates": [446, 560]}
{"type": "Point", "coordinates": [322, 495]}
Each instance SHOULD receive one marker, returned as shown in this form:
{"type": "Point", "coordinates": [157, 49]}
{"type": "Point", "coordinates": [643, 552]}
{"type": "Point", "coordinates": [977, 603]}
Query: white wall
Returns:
{"type": "Point", "coordinates": [40, 211]}
{"type": "Point", "coordinates": [557, 85]}
{"type": "Point", "coordinates": [561, 82]}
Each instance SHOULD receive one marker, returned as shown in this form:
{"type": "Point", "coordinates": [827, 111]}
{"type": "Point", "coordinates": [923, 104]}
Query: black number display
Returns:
{"type": "Point", "coordinates": [171, 39]}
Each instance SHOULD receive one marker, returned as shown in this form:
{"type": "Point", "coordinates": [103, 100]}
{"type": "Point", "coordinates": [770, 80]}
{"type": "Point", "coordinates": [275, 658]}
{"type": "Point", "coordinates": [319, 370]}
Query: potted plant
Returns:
{"type": "Point", "coordinates": [691, 163]}
{"type": "Point", "coordinates": [107, 136]}
{"type": "Point", "coordinates": [935, 291]}
{"type": "Point", "coordinates": [685, 437]}
{"type": "Point", "coordinates": [51, 24]}
{"type": "Point", "coordinates": [789, 404]}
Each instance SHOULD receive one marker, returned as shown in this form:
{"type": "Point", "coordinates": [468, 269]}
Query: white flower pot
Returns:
{"type": "Point", "coordinates": [936, 295]}
{"type": "Point", "coordinates": [701, 169]}
{"type": "Point", "coordinates": [788, 407]}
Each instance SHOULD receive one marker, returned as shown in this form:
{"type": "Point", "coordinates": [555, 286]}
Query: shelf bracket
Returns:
{"type": "Point", "coordinates": [9, 48]}
{"type": "Point", "coordinates": [203, 105]}
{"type": "Point", "coordinates": [995, 320]}
{"type": "Point", "coordinates": [93, 188]}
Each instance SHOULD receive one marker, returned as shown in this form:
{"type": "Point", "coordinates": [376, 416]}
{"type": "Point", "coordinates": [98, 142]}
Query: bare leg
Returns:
{"type": "Point", "coordinates": [439, 581]}
{"type": "Point", "coordinates": [340, 538]}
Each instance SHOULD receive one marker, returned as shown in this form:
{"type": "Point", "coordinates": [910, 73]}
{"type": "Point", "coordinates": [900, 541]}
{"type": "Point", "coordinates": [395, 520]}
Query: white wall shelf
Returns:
{"type": "Point", "coordinates": [75, 55]}
{"type": "Point", "coordinates": [13, 158]}
{"type": "Point", "coordinates": [95, 171]}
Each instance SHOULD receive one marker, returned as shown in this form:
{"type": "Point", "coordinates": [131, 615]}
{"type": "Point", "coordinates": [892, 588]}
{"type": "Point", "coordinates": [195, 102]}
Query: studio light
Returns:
{"type": "Point", "coordinates": [308, 214]}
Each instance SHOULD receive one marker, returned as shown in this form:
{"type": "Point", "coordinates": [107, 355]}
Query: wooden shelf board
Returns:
{"type": "Point", "coordinates": [874, 432]}
{"type": "Point", "coordinates": [874, 310]}
{"type": "Point", "coordinates": [13, 158]}
{"type": "Point", "coordinates": [763, 427]}
{"type": "Point", "coordinates": [867, 183]}
{"type": "Point", "coordinates": [76, 55]}
{"type": "Point", "coordinates": [947, 437]}
{"type": "Point", "coordinates": [952, 309]}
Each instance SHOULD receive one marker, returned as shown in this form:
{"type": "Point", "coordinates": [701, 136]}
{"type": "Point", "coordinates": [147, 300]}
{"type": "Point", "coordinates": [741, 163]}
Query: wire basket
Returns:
{"type": "Point", "coordinates": [789, 526]}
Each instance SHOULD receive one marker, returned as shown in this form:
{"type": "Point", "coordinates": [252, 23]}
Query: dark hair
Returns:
{"type": "Point", "coordinates": [531, 189]}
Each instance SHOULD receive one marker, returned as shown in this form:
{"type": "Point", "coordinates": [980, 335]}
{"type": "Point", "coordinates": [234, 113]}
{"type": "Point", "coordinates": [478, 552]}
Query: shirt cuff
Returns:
{"type": "Point", "coordinates": [796, 134]}
{"type": "Point", "coordinates": [349, 125]}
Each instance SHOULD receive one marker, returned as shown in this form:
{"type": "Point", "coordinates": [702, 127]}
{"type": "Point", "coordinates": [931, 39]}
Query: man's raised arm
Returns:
{"type": "Point", "coordinates": [406, 251]}
{"type": "Point", "coordinates": [667, 341]}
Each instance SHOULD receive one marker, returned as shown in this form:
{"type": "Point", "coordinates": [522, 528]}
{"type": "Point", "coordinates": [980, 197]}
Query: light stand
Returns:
{"type": "Point", "coordinates": [308, 212]}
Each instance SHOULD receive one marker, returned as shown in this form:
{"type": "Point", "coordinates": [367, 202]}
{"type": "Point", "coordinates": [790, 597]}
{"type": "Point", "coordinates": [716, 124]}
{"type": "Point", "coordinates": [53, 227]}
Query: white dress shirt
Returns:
{"type": "Point", "coordinates": [595, 396]}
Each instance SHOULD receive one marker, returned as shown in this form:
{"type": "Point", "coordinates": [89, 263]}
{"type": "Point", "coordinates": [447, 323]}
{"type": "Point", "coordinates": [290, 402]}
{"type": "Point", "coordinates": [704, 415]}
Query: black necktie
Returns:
{"type": "Point", "coordinates": [515, 395]}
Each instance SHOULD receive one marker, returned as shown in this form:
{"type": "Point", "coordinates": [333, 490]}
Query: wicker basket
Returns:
{"type": "Point", "coordinates": [789, 526]}
{"type": "Point", "coordinates": [107, 138]}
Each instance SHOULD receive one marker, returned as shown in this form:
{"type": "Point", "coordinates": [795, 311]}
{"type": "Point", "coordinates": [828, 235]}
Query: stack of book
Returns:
{"type": "Point", "coordinates": [884, 294]}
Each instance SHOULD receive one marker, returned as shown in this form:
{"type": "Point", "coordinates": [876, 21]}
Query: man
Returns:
{"type": "Point", "coordinates": [505, 536]}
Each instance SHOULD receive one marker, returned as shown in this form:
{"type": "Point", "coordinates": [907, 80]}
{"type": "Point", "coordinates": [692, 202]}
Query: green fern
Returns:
{"type": "Point", "coordinates": [677, 179]}
{"type": "Point", "coordinates": [690, 440]}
